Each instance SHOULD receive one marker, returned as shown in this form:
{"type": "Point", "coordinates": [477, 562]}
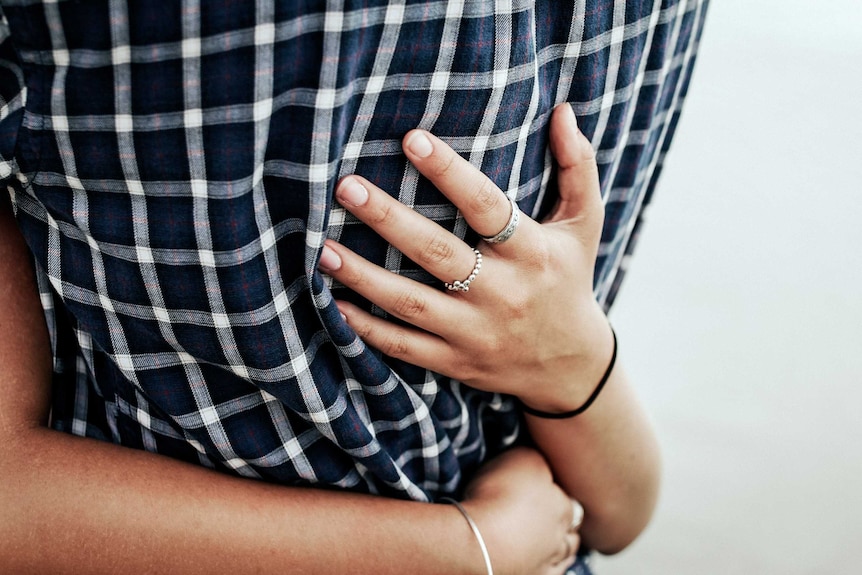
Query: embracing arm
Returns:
{"type": "Point", "coordinates": [607, 456]}
{"type": "Point", "coordinates": [608, 459]}
{"type": "Point", "coordinates": [535, 330]}
{"type": "Point", "coordinates": [82, 506]}
{"type": "Point", "coordinates": [75, 505]}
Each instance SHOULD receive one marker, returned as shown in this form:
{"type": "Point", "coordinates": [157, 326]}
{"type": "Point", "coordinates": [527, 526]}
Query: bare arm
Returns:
{"type": "Point", "coordinates": [608, 458]}
{"type": "Point", "coordinates": [528, 325]}
{"type": "Point", "coordinates": [76, 505]}
{"type": "Point", "coordinates": [73, 505]}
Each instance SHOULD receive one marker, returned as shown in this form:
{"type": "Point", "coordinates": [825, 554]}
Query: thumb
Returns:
{"type": "Point", "coordinates": [578, 175]}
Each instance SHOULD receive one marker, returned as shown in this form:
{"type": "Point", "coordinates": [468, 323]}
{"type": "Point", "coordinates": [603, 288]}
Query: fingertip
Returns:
{"type": "Point", "coordinates": [569, 145]}
{"type": "Point", "coordinates": [329, 261]}
{"type": "Point", "coordinates": [351, 192]}
{"type": "Point", "coordinates": [564, 125]}
{"type": "Point", "coordinates": [417, 143]}
{"type": "Point", "coordinates": [565, 115]}
{"type": "Point", "coordinates": [340, 305]}
{"type": "Point", "coordinates": [345, 309]}
{"type": "Point", "coordinates": [578, 175]}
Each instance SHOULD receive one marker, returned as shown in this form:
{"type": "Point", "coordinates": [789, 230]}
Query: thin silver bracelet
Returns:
{"type": "Point", "coordinates": [476, 532]}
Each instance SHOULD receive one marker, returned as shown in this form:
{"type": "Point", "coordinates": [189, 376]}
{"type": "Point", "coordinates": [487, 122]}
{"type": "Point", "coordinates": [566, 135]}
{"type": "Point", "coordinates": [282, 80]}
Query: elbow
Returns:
{"type": "Point", "coordinates": [614, 525]}
{"type": "Point", "coordinates": [611, 531]}
{"type": "Point", "coordinates": [615, 540]}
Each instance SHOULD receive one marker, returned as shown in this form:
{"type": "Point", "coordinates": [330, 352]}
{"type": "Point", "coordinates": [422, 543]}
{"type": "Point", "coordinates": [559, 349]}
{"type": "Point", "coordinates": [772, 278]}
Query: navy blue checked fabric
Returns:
{"type": "Point", "coordinates": [172, 164]}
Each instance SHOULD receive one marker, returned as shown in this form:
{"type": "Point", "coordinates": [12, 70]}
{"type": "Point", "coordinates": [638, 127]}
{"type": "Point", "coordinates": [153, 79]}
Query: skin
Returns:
{"type": "Point", "coordinates": [545, 340]}
{"type": "Point", "coordinates": [75, 505]}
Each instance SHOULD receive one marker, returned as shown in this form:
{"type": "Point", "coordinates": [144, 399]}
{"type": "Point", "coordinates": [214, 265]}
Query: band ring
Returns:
{"type": "Point", "coordinates": [510, 227]}
{"type": "Point", "coordinates": [577, 515]}
{"type": "Point", "coordinates": [464, 285]}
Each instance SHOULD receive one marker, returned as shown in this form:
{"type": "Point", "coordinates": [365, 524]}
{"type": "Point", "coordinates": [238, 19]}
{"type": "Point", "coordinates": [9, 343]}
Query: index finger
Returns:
{"type": "Point", "coordinates": [485, 207]}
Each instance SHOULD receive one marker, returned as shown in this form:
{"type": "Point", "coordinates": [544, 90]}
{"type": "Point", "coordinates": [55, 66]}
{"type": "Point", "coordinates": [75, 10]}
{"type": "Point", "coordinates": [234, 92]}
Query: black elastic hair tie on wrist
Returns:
{"type": "Point", "coordinates": [590, 399]}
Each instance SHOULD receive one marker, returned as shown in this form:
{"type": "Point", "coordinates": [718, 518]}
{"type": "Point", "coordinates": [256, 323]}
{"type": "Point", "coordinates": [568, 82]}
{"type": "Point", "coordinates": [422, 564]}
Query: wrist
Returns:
{"type": "Point", "coordinates": [586, 373]}
{"type": "Point", "coordinates": [496, 524]}
{"type": "Point", "coordinates": [473, 562]}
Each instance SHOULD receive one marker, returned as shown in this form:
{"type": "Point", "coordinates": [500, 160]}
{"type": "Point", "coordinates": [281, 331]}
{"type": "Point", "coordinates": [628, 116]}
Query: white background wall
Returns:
{"type": "Point", "coordinates": [741, 317]}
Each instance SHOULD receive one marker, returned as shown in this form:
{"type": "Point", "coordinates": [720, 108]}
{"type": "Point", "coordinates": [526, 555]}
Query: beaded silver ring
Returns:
{"type": "Point", "coordinates": [464, 285]}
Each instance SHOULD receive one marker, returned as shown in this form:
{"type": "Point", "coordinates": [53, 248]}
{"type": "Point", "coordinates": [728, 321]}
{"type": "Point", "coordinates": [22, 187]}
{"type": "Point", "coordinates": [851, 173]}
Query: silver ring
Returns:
{"type": "Point", "coordinates": [510, 227]}
{"type": "Point", "coordinates": [577, 515]}
{"type": "Point", "coordinates": [464, 285]}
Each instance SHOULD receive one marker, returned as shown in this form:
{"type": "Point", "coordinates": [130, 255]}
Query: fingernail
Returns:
{"type": "Point", "coordinates": [419, 144]}
{"type": "Point", "coordinates": [343, 317]}
{"type": "Point", "coordinates": [329, 260]}
{"type": "Point", "coordinates": [352, 192]}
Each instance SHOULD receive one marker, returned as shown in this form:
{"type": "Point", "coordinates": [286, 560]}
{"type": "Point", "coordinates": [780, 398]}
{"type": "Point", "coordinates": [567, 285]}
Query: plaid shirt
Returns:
{"type": "Point", "coordinates": [172, 167]}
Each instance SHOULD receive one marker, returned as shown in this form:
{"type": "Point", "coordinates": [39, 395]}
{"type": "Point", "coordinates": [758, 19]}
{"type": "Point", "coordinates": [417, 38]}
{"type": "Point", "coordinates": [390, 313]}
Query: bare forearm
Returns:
{"type": "Point", "coordinates": [609, 460]}
{"type": "Point", "coordinates": [72, 505]}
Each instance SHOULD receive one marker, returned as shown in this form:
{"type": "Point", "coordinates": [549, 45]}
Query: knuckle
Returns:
{"type": "Point", "coordinates": [465, 369]}
{"type": "Point", "coordinates": [363, 329]}
{"type": "Point", "coordinates": [517, 308]}
{"type": "Point", "coordinates": [491, 347]}
{"type": "Point", "coordinates": [445, 165]}
{"type": "Point", "coordinates": [496, 344]}
{"type": "Point", "coordinates": [354, 276]}
{"type": "Point", "coordinates": [485, 199]}
{"type": "Point", "coordinates": [436, 251]}
{"type": "Point", "coordinates": [409, 304]}
{"type": "Point", "coordinates": [383, 215]}
{"type": "Point", "coordinates": [537, 256]}
{"type": "Point", "coordinates": [395, 344]}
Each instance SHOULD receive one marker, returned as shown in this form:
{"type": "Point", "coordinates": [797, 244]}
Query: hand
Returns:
{"type": "Point", "coordinates": [525, 519]}
{"type": "Point", "coordinates": [529, 324]}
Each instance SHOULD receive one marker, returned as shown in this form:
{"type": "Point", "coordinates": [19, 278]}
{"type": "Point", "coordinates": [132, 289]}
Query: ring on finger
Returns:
{"type": "Point", "coordinates": [464, 285]}
{"type": "Point", "coordinates": [510, 227]}
{"type": "Point", "coordinates": [577, 515]}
